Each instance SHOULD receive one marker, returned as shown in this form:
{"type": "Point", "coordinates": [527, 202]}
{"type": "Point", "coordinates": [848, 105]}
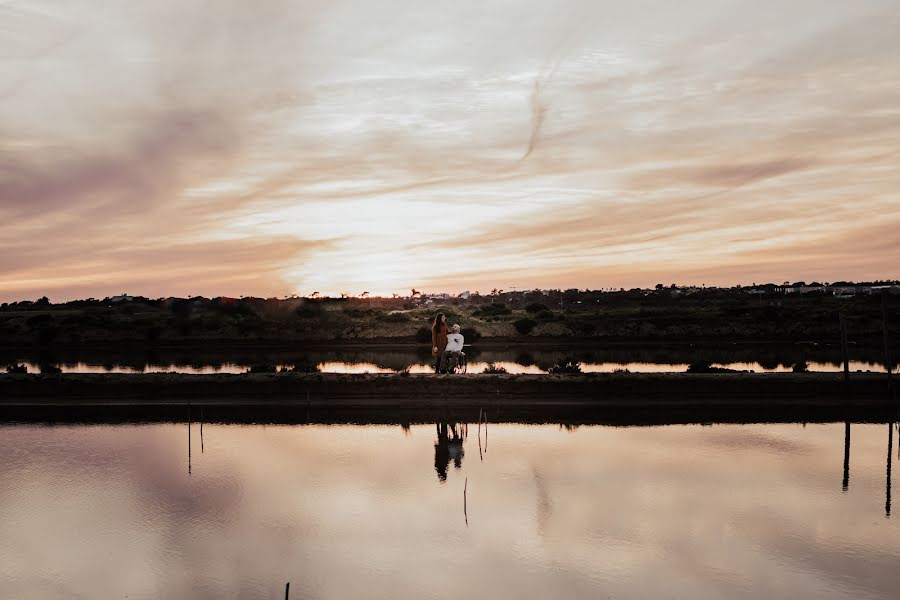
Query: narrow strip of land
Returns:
{"type": "Point", "coordinates": [614, 398]}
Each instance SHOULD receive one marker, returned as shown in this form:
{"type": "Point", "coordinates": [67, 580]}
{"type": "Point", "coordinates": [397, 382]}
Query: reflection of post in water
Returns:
{"type": "Point", "coordinates": [449, 445]}
{"type": "Point", "coordinates": [201, 431]}
{"type": "Point", "coordinates": [189, 436]}
{"type": "Point", "coordinates": [887, 494]}
{"type": "Point", "coordinates": [465, 508]}
{"type": "Point", "coordinates": [846, 482]}
{"type": "Point", "coordinates": [482, 416]}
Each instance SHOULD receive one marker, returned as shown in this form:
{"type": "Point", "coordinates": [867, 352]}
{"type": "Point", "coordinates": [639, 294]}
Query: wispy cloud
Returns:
{"type": "Point", "coordinates": [336, 146]}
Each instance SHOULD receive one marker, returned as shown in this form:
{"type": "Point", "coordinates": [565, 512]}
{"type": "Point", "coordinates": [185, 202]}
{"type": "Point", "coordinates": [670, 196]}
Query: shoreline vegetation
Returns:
{"type": "Point", "coordinates": [664, 314]}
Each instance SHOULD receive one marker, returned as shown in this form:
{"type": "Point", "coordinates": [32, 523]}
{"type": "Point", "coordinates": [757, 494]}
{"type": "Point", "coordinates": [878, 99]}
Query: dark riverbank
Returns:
{"type": "Point", "coordinates": [625, 398]}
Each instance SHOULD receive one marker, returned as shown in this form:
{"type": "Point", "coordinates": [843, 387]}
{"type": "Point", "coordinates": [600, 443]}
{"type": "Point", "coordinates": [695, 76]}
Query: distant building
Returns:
{"type": "Point", "coordinates": [844, 291]}
{"type": "Point", "coordinates": [122, 298]}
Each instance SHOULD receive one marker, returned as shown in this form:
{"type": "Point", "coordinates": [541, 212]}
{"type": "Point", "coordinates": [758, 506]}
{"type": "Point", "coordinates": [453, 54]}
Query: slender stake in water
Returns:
{"type": "Point", "coordinates": [844, 351]}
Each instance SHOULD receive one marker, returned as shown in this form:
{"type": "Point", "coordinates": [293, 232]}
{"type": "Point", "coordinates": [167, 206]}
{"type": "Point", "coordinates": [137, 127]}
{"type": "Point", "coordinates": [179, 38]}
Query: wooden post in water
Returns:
{"type": "Point", "coordinates": [287, 590]}
{"type": "Point", "coordinates": [846, 483]}
{"type": "Point", "coordinates": [844, 352]}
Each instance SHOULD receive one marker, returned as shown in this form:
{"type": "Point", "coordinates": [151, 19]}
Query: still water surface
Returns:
{"type": "Point", "coordinates": [444, 511]}
{"type": "Point", "coordinates": [474, 366]}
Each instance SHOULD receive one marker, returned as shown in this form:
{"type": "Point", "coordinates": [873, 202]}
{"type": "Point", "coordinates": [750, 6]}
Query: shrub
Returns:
{"type": "Point", "coordinates": [39, 321]}
{"type": "Point", "coordinates": [50, 370]}
{"type": "Point", "coordinates": [423, 335]}
{"type": "Point", "coordinates": [492, 310]}
{"type": "Point", "coordinates": [152, 333]}
{"type": "Point", "coordinates": [545, 315]}
{"type": "Point", "coordinates": [583, 328]}
{"type": "Point", "coordinates": [304, 365]}
{"type": "Point", "coordinates": [566, 366]}
{"type": "Point", "coordinates": [395, 318]}
{"type": "Point", "coordinates": [493, 369]}
{"type": "Point", "coordinates": [308, 311]}
{"type": "Point", "coordinates": [801, 367]}
{"type": "Point", "coordinates": [46, 335]}
{"type": "Point", "coordinates": [16, 369]}
{"type": "Point", "coordinates": [525, 326]}
{"type": "Point", "coordinates": [470, 333]}
{"type": "Point", "coordinates": [262, 368]}
{"type": "Point", "coordinates": [536, 307]}
{"type": "Point", "coordinates": [705, 367]}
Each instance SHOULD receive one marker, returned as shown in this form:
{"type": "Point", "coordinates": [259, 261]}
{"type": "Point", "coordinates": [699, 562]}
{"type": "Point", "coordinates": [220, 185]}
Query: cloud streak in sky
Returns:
{"type": "Point", "coordinates": [218, 148]}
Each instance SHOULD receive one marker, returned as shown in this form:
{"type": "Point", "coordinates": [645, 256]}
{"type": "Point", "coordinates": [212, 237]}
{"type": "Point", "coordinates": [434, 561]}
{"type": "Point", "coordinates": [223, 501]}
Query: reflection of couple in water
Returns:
{"type": "Point", "coordinates": [449, 445]}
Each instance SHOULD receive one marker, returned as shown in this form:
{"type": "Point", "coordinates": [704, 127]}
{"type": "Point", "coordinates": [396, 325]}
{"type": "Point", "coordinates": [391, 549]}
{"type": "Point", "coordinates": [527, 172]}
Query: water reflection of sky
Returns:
{"type": "Point", "coordinates": [334, 366]}
{"type": "Point", "coordinates": [723, 511]}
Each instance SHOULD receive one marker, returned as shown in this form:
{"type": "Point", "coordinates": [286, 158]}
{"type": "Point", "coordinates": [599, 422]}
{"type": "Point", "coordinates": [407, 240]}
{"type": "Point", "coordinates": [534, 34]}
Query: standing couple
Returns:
{"type": "Point", "coordinates": [444, 342]}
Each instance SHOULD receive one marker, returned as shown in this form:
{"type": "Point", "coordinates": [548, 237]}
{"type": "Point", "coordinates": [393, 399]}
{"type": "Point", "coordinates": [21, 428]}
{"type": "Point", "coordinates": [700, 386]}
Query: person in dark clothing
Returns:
{"type": "Point", "coordinates": [438, 339]}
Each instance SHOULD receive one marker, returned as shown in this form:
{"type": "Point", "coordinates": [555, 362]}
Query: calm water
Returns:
{"type": "Point", "coordinates": [332, 366]}
{"type": "Point", "coordinates": [724, 511]}
{"type": "Point", "coordinates": [760, 360]}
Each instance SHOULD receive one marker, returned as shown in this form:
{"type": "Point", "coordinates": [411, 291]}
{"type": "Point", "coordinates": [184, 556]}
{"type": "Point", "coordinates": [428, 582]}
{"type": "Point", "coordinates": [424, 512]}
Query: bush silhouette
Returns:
{"type": "Point", "coordinates": [471, 334]}
{"type": "Point", "coordinates": [535, 307]}
{"type": "Point", "coordinates": [566, 366]}
{"type": "Point", "coordinates": [493, 369]}
{"type": "Point", "coordinates": [492, 310]}
{"type": "Point", "coordinates": [395, 318]}
{"type": "Point", "coordinates": [525, 326]}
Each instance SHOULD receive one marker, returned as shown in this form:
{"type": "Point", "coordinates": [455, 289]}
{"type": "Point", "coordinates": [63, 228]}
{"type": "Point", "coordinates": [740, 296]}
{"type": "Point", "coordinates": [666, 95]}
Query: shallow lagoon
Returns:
{"type": "Point", "coordinates": [444, 511]}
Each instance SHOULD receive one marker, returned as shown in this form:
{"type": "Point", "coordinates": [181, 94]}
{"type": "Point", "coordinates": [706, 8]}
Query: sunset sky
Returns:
{"type": "Point", "coordinates": [274, 147]}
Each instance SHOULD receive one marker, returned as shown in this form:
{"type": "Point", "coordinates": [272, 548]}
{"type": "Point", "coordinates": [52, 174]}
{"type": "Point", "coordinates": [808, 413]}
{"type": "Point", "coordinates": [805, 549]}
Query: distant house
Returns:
{"type": "Point", "coordinates": [122, 298]}
{"type": "Point", "coordinates": [890, 289]}
{"type": "Point", "coordinates": [465, 295]}
{"type": "Point", "coordinates": [801, 289]}
{"type": "Point", "coordinates": [844, 291]}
